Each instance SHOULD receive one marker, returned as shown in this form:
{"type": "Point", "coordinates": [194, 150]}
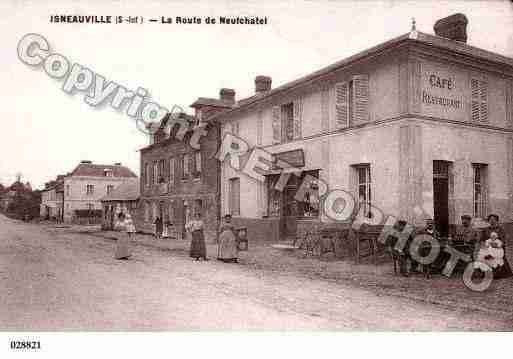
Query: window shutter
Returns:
{"type": "Point", "coordinates": [483, 105]}
{"type": "Point", "coordinates": [342, 104]}
{"type": "Point", "coordinates": [474, 88]}
{"type": "Point", "coordinates": [276, 114]}
{"type": "Point", "coordinates": [298, 114]}
{"type": "Point", "coordinates": [361, 99]}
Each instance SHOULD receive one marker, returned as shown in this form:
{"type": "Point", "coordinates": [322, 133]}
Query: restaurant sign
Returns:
{"type": "Point", "coordinates": [439, 90]}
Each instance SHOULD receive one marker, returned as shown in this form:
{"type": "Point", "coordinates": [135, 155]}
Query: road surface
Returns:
{"type": "Point", "coordinates": [56, 280]}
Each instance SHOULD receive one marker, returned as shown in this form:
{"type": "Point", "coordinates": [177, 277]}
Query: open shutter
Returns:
{"type": "Point", "coordinates": [360, 99]}
{"type": "Point", "coordinates": [474, 88]}
{"type": "Point", "coordinates": [298, 114]}
{"type": "Point", "coordinates": [276, 113]}
{"type": "Point", "coordinates": [483, 103]}
{"type": "Point", "coordinates": [342, 104]}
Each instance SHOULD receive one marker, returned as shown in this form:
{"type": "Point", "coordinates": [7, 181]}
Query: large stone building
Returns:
{"type": "Point", "coordinates": [180, 177]}
{"type": "Point", "coordinates": [421, 125]}
{"type": "Point", "coordinates": [88, 183]}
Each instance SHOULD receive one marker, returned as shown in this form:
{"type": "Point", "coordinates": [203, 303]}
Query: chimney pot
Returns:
{"type": "Point", "coordinates": [86, 161]}
{"type": "Point", "coordinates": [453, 27]}
{"type": "Point", "coordinates": [117, 164]}
{"type": "Point", "coordinates": [263, 84]}
{"type": "Point", "coordinates": [227, 95]}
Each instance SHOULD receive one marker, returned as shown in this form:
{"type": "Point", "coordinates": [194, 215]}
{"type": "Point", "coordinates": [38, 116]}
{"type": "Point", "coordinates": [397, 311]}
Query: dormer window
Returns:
{"type": "Point", "coordinates": [107, 172]}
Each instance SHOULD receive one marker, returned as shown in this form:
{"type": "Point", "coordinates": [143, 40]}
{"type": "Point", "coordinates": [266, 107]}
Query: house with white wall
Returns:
{"type": "Point", "coordinates": [419, 126]}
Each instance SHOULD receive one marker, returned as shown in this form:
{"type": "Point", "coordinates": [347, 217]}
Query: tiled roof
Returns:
{"type": "Point", "coordinates": [128, 191]}
{"type": "Point", "coordinates": [94, 170]}
{"type": "Point", "coordinates": [420, 38]}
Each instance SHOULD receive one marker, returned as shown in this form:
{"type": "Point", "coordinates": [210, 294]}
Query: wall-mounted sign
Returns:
{"type": "Point", "coordinates": [288, 159]}
{"type": "Point", "coordinates": [440, 88]}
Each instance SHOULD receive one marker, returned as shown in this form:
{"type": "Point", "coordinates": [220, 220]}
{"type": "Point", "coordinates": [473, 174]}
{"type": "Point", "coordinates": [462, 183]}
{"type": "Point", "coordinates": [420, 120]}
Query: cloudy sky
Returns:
{"type": "Point", "coordinates": [46, 132]}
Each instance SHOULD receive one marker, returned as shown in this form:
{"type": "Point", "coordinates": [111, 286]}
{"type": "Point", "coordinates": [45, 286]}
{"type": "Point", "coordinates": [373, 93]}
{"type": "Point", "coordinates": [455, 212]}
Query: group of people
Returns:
{"type": "Point", "coordinates": [486, 250]}
{"type": "Point", "coordinates": [227, 250]}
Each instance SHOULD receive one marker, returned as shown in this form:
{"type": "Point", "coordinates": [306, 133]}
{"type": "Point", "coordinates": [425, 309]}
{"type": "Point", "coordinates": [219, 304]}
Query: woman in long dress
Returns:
{"type": "Point", "coordinates": [123, 242]}
{"type": "Point", "coordinates": [159, 227]}
{"type": "Point", "coordinates": [227, 241]}
{"type": "Point", "coordinates": [198, 248]}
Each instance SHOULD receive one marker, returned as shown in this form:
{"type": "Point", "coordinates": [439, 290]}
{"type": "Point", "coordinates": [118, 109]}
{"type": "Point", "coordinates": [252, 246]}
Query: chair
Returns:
{"type": "Point", "coordinates": [370, 237]}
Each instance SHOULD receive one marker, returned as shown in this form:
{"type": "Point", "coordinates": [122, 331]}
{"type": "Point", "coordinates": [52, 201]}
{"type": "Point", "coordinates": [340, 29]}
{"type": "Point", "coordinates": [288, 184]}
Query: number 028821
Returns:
{"type": "Point", "coordinates": [25, 345]}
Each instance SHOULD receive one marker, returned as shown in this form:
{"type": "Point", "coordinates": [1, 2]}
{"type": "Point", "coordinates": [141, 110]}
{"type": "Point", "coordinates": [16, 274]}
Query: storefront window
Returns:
{"type": "Point", "coordinates": [287, 203]}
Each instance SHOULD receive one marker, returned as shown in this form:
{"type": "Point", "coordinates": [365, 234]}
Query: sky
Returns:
{"type": "Point", "coordinates": [46, 132]}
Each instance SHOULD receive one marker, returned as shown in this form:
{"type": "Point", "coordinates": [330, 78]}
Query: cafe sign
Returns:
{"type": "Point", "coordinates": [440, 89]}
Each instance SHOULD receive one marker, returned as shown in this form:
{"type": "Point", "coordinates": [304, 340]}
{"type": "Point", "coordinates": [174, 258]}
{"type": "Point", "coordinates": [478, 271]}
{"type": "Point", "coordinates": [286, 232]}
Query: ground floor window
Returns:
{"type": "Point", "coordinates": [363, 176]}
{"type": "Point", "coordinates": [146, 212]}
{"type": "Point", "coordinates": [299, 197]}
{"type": "Point", "coordinates": [198, 207]}
{"type": "Point", "coordinates": [234, 195]}
{"type": "Point", "coordinates": [171, 213]}
{"type": "Point", "coordinates": [480, 174]}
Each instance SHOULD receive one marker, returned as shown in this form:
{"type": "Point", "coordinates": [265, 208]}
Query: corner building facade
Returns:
{"type": "Point", "coordinates": [420, 126]}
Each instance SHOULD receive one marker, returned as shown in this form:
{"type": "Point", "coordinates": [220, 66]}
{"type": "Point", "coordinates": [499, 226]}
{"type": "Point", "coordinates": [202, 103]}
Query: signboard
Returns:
{"type": "Point", "coordinates": [289, 159]}
{"type": "Point", "coordinates": [443, 91]}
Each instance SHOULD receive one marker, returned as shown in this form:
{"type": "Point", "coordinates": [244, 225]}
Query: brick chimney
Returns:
{"type": "Point", "coordinates": [453, 27]}
{"type": "Point", "coordinates": [263, 84]}
{"type": "Point", "coordinates": [117, 164]}
{"type": "Point", "coordinates": [227, 95]}
{"type": "Point", "coordinates": [86, 162]}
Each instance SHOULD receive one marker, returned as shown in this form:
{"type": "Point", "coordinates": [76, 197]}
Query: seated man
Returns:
{"type": "Point", "coordinates": [401, 255]}
{"type": "Point", "coordinates": [429, 229]}
{"type": "Point", "coordinates": [465, 238]}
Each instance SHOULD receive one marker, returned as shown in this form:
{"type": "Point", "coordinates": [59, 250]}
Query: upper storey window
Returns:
{"type": "Point", "coordinates": [287, 121]}
{"type": "Point", "coordinates": [352, 101]}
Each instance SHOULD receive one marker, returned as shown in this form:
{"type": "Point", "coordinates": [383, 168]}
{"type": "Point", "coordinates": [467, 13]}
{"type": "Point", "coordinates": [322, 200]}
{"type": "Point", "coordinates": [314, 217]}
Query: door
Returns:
{"type": "Point", "coordinates": [441, 196]}
{"type": "Point", "coordinates": [288, 220]}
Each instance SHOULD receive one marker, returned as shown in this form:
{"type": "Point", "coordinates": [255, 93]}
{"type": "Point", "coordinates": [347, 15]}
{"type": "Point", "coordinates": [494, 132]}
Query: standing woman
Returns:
{"type": "Point", "coordinates": [227, 241]}
{"type": "Point", "coordinates": [159, 226]}
{"type": "Point", "coordinates": [122, 250]}
{"type": "Point", "coordinates": [198, 247]}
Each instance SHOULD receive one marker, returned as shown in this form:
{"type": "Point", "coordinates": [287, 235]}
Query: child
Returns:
{"type": "Point", "coordinates": [491, 254]}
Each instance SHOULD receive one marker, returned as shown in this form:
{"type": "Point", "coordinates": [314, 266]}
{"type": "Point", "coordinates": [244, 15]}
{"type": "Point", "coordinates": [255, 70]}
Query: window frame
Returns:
{"type": "Point", "coordinates": [287, 122]}
{"type": "Point", "coordinates": [197, 168]}
{"type": "Point", "coordinates": [479, 205]}
{"type": "Point", "coordinates": [366, 184]}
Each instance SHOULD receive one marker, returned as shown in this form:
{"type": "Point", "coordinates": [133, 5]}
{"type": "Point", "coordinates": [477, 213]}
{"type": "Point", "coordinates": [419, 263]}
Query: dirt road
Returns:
{"type": "Point", "coordinates": [53, 280]}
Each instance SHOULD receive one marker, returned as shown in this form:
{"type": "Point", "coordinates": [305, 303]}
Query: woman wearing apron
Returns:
{"type": "Point", "coordinates": [123, 242]}
{"type": "Point", "coordinates": [227, 242]}
{"type": "Point", "coordinates": [198, 248]}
